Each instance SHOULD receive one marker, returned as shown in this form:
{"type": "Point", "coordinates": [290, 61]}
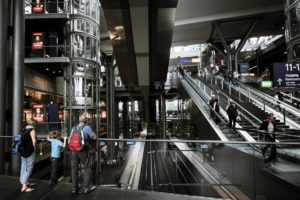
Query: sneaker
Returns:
{"type": "Point", "coordinates": [89, 189]}
{"type": "Point", "coordinates": [74, 190]}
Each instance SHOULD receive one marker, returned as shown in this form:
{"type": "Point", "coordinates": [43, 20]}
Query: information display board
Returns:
{"type": "Point", "coordinates": [286, 75]}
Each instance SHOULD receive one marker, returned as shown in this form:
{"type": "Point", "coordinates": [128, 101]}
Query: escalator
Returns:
{"type": "Point", "coordinates": [257, 109]}
{"type": "Point", "coordinates": [200, 98]}
{"type": "Point", "coordinates": [286, 98]}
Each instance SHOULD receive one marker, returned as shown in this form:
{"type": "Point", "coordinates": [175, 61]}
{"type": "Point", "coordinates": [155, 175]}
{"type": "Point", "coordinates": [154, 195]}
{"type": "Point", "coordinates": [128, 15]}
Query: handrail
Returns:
{"type": "Point", "coordinates": [245, 110]}
{"type": "Point", "coordinates": [187, 141]}
{"type": "Point", "coordinates": [205, 100]}
{"type": "Point", "coordinates": [290, 96]}
{"type": "Point", "coordinates": [243, 134]}
{"type": "Point", "coordinates": [219, 91]}
{"type": "Point", "coordinates": [273, 133]}
{"type": "Point", "coordinates": [270, 99]}
{"type": "Point", "coordinates": [191, 91]}
{"type": "Point", "coordinates": [246, 89]}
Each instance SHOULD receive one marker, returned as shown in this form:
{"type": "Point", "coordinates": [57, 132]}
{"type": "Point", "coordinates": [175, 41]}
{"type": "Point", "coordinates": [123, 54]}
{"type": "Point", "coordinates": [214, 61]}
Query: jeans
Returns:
{"type": "Point", "coordinates": [27, 167]}
{"type": "Point", "coordinates": [273, 153]}
{"type": "Point", "coordinates": [84, 158]}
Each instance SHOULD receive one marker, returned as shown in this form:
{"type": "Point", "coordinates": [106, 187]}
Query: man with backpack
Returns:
{"type": "Point", "coordinates": [79, 140]}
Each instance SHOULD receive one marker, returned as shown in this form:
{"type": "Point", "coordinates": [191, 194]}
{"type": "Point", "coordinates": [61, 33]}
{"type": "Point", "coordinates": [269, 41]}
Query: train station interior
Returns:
{"type": "Point", "coordinates": [182, 99]}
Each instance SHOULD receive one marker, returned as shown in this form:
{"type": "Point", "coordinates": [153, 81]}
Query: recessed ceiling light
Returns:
{"type": "Point", "coordinates": [53, 72]}
{"type": "Point", "coordinates": [47, 69]}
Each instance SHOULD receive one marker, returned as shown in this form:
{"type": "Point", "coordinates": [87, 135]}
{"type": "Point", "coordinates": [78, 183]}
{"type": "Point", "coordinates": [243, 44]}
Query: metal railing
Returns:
{"type": "Point", "coordinates": [46, 7]}
{"type": "Point", "coordinates": [252, 95]}
{"type": "Point", "coordinates": [198, 167]}
{"type": "Point", "coordinates": [47, 51]}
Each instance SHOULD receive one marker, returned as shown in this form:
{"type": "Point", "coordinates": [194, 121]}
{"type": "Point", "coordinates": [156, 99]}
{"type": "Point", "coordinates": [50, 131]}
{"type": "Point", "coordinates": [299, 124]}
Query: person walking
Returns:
{"type": "Point", "coordinates": [269, 126]}
{"type": "Point", "coordinates": [211, 104]}
{"type": "Point", "coordinates": [56, 146]}
{"type": "Point", "coordinates": [82, 156]}
{"type": "Point", "coordinates": [216, 108]}
{"type": "Point", "coordinates": [277, 102]}
{"type": "Point", "coordinates": [232, 112]}
{"type": "Point", "coordinates": [28, 160]}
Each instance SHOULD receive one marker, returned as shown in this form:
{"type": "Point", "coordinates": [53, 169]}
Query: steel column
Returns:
{"type": "Point", "coordinates": [163, 112]}
{"type": "Point", "coordinates": [242, 43]}
{"type": "Point", "coordinates": [18, 68]}
{"type": "Point", "coordinates": [3, 79]}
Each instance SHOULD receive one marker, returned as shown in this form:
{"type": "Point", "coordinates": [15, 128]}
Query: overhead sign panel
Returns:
{"type": "Point", "coordinates": [286, 75]}
{"type": "Point", "coordinates": [189, 60]}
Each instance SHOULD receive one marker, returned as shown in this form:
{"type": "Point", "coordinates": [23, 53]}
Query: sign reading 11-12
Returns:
{"type": "Point", "coordinates": [286, 74]}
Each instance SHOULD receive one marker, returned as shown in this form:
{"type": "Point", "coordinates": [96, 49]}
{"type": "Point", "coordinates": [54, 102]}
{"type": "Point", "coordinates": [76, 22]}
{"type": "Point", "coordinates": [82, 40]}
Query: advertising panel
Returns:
{"type": "Point", "coordinates": [37, 6]}
{"type": "Point", "coordinates": [244, 69]}
{"type": "Point", "coordinates": [38, 112]}
{"type": "Point", "coordinates": [38, 40]}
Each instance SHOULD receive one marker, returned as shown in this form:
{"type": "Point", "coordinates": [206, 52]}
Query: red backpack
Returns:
{"type": "Point", "coordinates": [76, 139]}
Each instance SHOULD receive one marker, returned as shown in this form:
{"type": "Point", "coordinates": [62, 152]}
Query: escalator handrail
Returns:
{"type": "Point", "coordinates": [203, 97]}
{"type": "Point", "coordinates": [241, 107]}
{"type": "Point", "coordinates": [260, 94]}
{"type": "Point", "coordinates": [270, 99]}
{"type": "Point", "coordinates": [245, 135]}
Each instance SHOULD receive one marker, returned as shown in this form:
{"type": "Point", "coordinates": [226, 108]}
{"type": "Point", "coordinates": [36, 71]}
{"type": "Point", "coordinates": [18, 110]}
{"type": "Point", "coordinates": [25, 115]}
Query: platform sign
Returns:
{"type": "Point", "coordinates": [286, 75]}
{"type": "Point", "coordinates": [266, 84]}
{"type": "Point", "coordinates": [130, 142]}
{"type": "Point", "coordinates": [185, 60]}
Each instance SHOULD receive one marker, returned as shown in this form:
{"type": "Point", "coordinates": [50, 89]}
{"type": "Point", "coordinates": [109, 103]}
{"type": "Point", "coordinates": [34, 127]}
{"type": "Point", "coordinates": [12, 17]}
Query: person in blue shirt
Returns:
{"type": "Point", "coordinates": [56, 146]}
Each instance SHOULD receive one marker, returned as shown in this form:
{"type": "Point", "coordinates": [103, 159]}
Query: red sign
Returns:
{"type": "Point", "coordinates": [38, 112]}
{"type": "Point", "coordinates": [37, 106]}
{"type": "Point", "coordinates": [37, 6]}
{"type": "Point", "coordinates": [37, 41]}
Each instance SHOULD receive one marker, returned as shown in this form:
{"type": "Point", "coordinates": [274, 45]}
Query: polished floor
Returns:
{"type": "Point", "coordinates": [10, 190]}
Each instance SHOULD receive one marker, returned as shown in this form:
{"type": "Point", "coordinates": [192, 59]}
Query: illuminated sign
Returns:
{"type": "Point", "coordinates": [37, 6]}
{"type": "Point", "coordinates": [38, 112]}
{"type": "Point", "coordinates": [286, 74]}
{"type": "Point", "coordinates": [266, 84]}
{"type": "Point", "coordinates": [37, 41]}
{"type": "Point", "coordinates": [189, 60]}
{"type": "Point", "coordinates": [37, 106]}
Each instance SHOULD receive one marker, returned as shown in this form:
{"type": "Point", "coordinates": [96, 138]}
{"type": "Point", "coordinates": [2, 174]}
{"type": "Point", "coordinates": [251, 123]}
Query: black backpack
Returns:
{"type": "Point", "coordinates": [22, 144]}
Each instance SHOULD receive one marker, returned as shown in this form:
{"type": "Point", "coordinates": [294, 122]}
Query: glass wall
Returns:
{"type": "Point", "coordinates": [82, 76]}
{"type": "Point", "coordinates": [89, 8]}
{"type": "Point", "coordinates": [293, 30]}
